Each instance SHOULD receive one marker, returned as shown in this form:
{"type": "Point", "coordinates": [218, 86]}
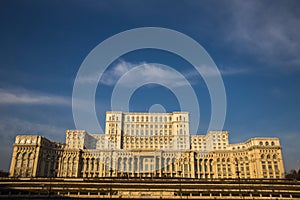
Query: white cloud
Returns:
{"type": "Point", "coordinates": [209, 71]}
{"type": "Point", "coordinates": [149, 72]}
{"type": "Point", "coordinates": [28, 97]}
{"type": "Point", "coordinates": [152, 71]}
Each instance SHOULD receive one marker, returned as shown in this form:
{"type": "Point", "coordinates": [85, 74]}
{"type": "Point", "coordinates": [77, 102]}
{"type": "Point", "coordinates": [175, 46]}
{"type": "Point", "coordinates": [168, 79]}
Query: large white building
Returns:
{"type": "Point", "coordinates": [147, 144]}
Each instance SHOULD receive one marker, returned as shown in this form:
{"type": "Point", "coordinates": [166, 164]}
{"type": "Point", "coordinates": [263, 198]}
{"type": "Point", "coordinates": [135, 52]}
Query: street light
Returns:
{"type": "Point", "coordinates": [180, 189]}
{"type": "Point", "coordinates": [51, 174]}
{"type": "Point", "coordinates": [238, 176]}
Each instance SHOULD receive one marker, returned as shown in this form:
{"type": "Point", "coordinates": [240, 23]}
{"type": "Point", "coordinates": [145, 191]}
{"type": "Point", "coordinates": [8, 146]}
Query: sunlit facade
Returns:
{"type": "Point", "coordinates": [146, 145]}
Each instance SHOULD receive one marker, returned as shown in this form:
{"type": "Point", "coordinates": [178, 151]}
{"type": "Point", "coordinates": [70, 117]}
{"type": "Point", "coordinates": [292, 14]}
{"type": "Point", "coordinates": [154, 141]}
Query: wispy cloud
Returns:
{"type": "Point", "coordinates": [224, 71]}
{"type": "Point", "coordinates": [29, 97]}
{"type": "Point", "coordinates": [165, 75]}
{"type": "Point", "coordinates": [147, 72]}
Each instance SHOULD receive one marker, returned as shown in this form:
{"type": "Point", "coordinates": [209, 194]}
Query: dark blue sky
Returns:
{"type": "Point", "coordinates": [255, 45]}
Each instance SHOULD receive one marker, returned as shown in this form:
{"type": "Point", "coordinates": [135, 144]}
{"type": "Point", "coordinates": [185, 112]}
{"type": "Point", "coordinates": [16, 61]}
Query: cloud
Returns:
{"type": "Point", "coordinates": [152, 71]}
{"type": "Point", "coordinates": [29, 97]}
{"type": "Point", "coordinates": [270, 31]}
{"type": "Point", "coordinates": [149, 72]}
{"type": "Point", "coordinates": [209, 71]}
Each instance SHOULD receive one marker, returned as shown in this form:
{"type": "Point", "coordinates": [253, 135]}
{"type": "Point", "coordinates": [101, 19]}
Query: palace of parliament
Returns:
{"type": "Point", "coordinates": [146, 145]}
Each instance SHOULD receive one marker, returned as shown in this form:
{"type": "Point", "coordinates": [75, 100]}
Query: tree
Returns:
{"type": "Point", "coordinates": [293, 174]}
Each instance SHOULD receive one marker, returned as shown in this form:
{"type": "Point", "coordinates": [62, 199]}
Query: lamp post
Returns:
{"type": "Point", "coordinates": [51, 173]}
{"type": "Point", "coordinates": [111, 172]}
{"type": "Point", "coordinates": [180, 189]}
{"type": "Point", "coordinates": [238, 177]}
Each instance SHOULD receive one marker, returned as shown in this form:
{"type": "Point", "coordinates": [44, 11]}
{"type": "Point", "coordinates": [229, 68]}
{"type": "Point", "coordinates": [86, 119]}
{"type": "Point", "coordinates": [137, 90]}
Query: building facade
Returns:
{"type": "Point", "coordinates": [146, 145]}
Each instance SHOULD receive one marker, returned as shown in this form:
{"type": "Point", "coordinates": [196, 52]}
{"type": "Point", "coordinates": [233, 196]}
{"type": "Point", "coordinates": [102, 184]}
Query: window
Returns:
{"type": "Point", "coordinates": [267, 143]}
{"type": "Point", "coordinates": [272, 143]}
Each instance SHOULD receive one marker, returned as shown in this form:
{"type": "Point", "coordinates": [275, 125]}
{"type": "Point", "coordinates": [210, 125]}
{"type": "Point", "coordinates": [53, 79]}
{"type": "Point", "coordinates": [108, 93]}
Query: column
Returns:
{"type": "Point", "coordinates": [101, 168]}
{"type": "Point", "coordinates": [132, 165]}
{"type": "Point", "coordinates": [91, 166]}
{"type": "Point", "coordinates": [154, 165]}
{"type": "Point", "coordinates": [59, 167]}
{"type": "Point", "coordinates": [171, 166]}
{"type": "Point", "coordinates": [165, 166]}
{"type": "Point", "coordinates": [84, 167]}
{"type": "Point", "coordinates": [13, 162]}
{"type": "Point", "coordinates": [192, 164]}
{"type": "Point", "coordinates": [128, 166]}
{"type": "Point", "coordinates": [138, 165]}
{"type": "Point", "coordinates": [198, 167]}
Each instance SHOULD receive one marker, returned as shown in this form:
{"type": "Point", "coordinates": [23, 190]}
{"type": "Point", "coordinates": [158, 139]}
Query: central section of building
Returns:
{"type": "Point", "coordinates": [148, 144]}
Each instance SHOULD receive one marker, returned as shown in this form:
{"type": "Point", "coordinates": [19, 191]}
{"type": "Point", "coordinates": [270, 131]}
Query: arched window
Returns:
{"type": "Point", "coordinates": [24, 163]}
{"type": "Point", "coordinates": [30, 164]}
{"type": "Point", "coordinates": [268, 156]}
{"type": "Point", "coordinates": [262, 156]}
{"type": "Point", "coordinates": [260, 143]}
{"type": "Point", "coordinates": [19, 159]}
{"type": "Point", "coordinates": [274, 156]}
{"type": "Point", "coordinates": [267, 143]}
{"type": "Point", "coordinates": [272, 143]}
